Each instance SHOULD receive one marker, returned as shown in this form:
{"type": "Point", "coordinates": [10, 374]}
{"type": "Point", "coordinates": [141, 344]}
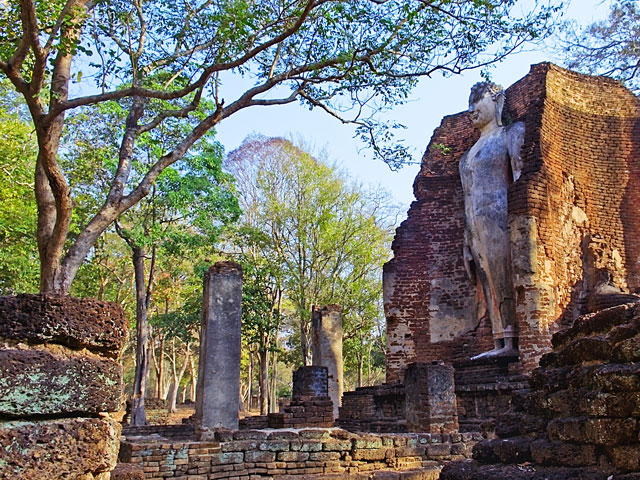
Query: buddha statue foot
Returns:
{"type": "Point", "coordinates": [497, 352]}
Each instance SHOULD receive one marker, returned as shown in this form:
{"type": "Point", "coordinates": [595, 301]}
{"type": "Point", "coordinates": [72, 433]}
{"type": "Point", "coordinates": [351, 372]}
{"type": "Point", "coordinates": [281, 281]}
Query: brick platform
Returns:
{"type": "Point", "coordinates": [307, 454]}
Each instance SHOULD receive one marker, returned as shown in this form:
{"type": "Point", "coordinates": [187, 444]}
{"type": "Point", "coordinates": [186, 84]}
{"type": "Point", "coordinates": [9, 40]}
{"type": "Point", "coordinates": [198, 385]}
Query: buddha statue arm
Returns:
{"type": "Point", "coordinates": [515, 139]}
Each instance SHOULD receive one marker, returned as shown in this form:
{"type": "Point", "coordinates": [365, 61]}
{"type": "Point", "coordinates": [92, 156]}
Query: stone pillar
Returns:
{"type": "Point", "coordinates": [327, 348]}
{"type": "Point", "coordinates": [60, 381]}
{"type": "Point", "coordinates": [430, 398]}
{"type": "Point", "coordinates": [218, 389]}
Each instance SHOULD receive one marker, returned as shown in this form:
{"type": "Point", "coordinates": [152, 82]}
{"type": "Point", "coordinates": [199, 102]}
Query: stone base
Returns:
{"type": "Point", "coordinates": [72, 448]}
{"type": "Point", "coordinates": [471, 470]}
{"type": "Point", "coordinates": [127, 471]}
{"type": "Point", "coordinates": [427, 473]}
{"type": "Point", "coordinates": [297, 454]}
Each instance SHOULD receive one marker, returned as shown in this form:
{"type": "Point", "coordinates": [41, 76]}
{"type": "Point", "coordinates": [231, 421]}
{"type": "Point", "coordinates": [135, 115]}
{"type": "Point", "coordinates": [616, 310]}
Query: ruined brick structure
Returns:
{"type": "Point", "coordinates": [424, 402]}
{"type": "Point", "coordinates": [580, 417]}
{"type": "Point", "coordinates": [310, 404]}
{"type": "Point", "coordinates": [308, 454]}
{"type": "Point", "coordinates": [574, 223]}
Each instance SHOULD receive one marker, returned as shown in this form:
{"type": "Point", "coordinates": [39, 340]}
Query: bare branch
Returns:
{"type": "Point", "coordinates": [204, 77]}
{"type": "Point", "coordinates": [181, 113]}
{"type": "Point", "coordinates": [143, 28]}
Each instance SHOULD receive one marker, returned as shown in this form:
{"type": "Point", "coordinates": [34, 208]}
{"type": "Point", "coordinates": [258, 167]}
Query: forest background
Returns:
{"type": "Point", "coordinates": [305, 232]}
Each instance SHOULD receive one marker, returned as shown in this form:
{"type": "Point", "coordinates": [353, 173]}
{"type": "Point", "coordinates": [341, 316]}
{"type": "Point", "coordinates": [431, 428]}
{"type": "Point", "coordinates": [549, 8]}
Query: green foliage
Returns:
{"type": "Point", "coordinates": [442, 148]}
{"type": "Point", "coordinates": [320, 238]}
{"type": "Point", "coordinates": [191, 200]}
{"type": "Point", "coordinates": [183, 325]}
{"type": "Point", "coordinates": [332, 55]}
{"type": "Point", "coordinates": [608, 47]}
{"type": "Point", "coordinates": [108, 274]}
{"type": "Point", "coordinates": [261, 318]}
{"type": "Point", "coordinates": [157, 72]}
{"type": "Point", "coordinates": [18, 249]}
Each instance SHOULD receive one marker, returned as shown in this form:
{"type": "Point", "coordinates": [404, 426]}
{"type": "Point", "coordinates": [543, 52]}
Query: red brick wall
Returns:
{"type": "Point", "coordinates": [576, 209]}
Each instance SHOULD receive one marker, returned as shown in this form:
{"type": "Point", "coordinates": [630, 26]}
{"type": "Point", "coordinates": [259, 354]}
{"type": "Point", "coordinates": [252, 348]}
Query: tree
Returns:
{"type": "Point", "coordinates": [609, 47]}
{"type": "Point", "coordinates": [190, 203]}
{"type": "Point", "coordinates": [180, 328]}
{"type": "Point", "coordinates": [261, 316]}
{"type": "Point", "coordinates": [328, 54]}
{"type": "Point", "coordinates": [187, 208]}
{"type": "Point", "coordinates": [325, 235]}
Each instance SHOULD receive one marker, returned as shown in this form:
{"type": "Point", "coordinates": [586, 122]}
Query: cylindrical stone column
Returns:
{"type": "Point", "coordinates": [326, 325]}
{"type": "Point", "coordinates": [218, 388]}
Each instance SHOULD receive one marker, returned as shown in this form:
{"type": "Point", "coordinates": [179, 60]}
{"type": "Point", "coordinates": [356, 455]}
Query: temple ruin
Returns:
{"type": "Point", "coordinates": [573, 221]}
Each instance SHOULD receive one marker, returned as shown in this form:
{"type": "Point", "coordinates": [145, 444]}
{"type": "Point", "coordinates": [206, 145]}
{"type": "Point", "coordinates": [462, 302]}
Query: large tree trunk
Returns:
{"type": "Point", "coordinates": [53, 195]}
{"type": "Point", "coordinates": [138, 416]}
{"type": "Point", "coordinates": [53, 198]}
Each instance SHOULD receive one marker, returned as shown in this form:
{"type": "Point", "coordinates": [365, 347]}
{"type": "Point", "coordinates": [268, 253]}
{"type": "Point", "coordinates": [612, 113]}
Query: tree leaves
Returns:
{"type": "Point", "coordinates": [316, 237]}
{"type": "Point", "coordinates": [609, 47]}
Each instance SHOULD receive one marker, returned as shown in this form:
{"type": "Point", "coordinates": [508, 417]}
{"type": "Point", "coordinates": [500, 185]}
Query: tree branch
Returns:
{"type": "Point", "coordinates": [202, 80]}
{"type": "Point", "coordinates": [181, 113]}
{"type": "Point", "coordinates": [56, 27]}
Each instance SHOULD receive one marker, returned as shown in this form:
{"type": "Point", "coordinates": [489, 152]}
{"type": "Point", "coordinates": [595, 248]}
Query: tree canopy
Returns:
{"type": "Point", "coordinates": [314, 236]}
{"type": "Point", "coordinates": [608, 47]}
{"type": "Point", "coordinates": [18, 253]}
{"type": "Point", "coordinates": [64, 55]}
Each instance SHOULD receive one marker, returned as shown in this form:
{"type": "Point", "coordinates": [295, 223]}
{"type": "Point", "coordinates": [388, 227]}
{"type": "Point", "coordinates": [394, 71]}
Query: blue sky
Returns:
{"type": "Point", "coordinates": [431, 100]}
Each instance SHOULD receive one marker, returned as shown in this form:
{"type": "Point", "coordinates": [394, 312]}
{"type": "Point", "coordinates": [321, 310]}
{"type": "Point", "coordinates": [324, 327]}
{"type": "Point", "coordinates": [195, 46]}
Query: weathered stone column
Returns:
{"type": "Point", "coordinates": [327, 348]}
{"type": "Point", "coordinates": [60, 379]}
{"type": "Point", "coordinates": [218, 389]}
{"type": "Point", "coordinates": [430, 398]}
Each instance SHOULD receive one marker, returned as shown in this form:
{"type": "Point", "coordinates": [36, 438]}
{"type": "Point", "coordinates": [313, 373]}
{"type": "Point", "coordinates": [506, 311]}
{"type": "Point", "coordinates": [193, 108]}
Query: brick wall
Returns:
{"type": "Point", "coordinates": [312, 453]}
{"type": "Point", "coordinates": [573, 213]}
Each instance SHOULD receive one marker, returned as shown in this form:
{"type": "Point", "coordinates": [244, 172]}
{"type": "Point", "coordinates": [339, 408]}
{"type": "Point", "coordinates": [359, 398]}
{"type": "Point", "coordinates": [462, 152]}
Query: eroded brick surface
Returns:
{"type": "Point", "coordinates": [60, 377]}
{"type": "Point", "coordinates": [581, 412]}
{"type": "Point", "coordinates": [73, 322]}
{"type": "Point", "coordinates": [52, 449]}
{"type": "Point", "coordinates": [573, 217]}
{"type": "Point", "coordinates": [36, 382]}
